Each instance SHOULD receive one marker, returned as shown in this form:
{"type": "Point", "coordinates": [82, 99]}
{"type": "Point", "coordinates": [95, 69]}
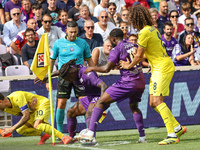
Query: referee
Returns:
{"type": "Point", "coordinates": [65, 49]}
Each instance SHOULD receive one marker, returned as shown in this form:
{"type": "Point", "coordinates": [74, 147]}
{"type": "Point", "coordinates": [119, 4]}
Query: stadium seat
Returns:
{"type": "Point", "coordinates": [15, 57]}
{"type": "Point", "coordinates": [3, 49]}
{"type": "Point", "coordinates": [16, 70]}
{"type": "Point", "coordinates": [4, 86]}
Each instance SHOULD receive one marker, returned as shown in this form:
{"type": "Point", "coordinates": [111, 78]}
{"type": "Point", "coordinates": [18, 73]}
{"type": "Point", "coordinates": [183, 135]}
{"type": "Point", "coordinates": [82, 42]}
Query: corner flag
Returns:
{"type": "Point", "coordinates": [41, 60]}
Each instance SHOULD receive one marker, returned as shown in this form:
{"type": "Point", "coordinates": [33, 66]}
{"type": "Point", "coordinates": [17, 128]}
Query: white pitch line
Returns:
{"type": "Point", "coordinates": [81, 147]}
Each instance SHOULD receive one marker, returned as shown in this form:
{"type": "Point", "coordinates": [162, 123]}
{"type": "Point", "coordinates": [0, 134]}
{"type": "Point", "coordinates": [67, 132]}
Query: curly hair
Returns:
{"type": "Point", "coordinates": [65, 67]}
{"type": "Point", "coordinates": [140, 17]}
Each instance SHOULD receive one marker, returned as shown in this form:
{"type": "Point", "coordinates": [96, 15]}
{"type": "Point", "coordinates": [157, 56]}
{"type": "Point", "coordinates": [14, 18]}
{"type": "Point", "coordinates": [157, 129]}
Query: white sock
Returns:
{"type": "Point", "coordinates": [176, 129]}
{"type": "Point", "coordinates": [172, 135]}
{"type": "Point", "coordinates": [142, 138]}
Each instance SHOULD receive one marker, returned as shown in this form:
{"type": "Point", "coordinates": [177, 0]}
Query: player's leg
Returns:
{"type": "Point", "coordinates": [63, 93]}
{"type": "Point", "coordinates": [138, 118]}
{"type": "Point", "coordinates": [28, 130]}
{"type": "Point", "coordinates": [72, 113]}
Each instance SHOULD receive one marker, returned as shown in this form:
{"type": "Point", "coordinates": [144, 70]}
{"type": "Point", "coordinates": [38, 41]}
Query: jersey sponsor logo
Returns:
{"type": "Point", "coordinates": [63, 50]}
{"type": "Point", "coordinates": [40, 60]}
{"type": "Point", "coordinates": [71, 49]}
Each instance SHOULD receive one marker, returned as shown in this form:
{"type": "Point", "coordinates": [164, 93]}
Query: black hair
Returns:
{"type": "Point", "coordinates": [36, 6]}
{"type": "Point", "coordinates": [183, 44]}
{"type": "Point", "coordinates": [168, 23]}
{"type": "Point", "coordinates": [189, 18]}
{"type": "Point", "coordinates": [118, 33]}
{"type": "Point", "coordinates": [47, 16]}
{"type": "Point", "coordinates": [28, 30]}
{"type": "Point", "coordinates": [72, 24]}
{"type": "Point", "coordinates": [172, 12]}
{"type": "Point", "coordinates": [65, 67]}
{"type": "Point", "coordinates": [112, 4]}
{"type": "Point", "coordinates": [1, 96]}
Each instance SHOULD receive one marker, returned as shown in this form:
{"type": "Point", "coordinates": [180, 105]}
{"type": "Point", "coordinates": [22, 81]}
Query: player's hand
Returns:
{"type": "Point", "coordinates": [124, 64]}
{"type": "Point", "coordinates": [88, 69]}
{"type": "Point", "coordinates": [7, 130]}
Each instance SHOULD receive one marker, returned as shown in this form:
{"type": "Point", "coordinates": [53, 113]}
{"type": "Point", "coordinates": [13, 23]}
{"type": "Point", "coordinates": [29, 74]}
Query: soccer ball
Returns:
{"type": "Point", "coordinates": [84, 131]}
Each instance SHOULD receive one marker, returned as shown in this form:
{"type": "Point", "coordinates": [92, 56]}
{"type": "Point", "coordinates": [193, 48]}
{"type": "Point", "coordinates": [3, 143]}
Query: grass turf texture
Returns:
{"type": "Point", "coordinates": [115, 140]}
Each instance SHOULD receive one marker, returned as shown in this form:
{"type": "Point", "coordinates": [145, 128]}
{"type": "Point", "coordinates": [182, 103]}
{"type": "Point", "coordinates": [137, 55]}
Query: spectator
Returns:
{"type": "Point", "coordinates": [103, 27]}
{"type": "Point", "coordinates": [63, 19]}
{"type": "Point", "coordinates": [19, 41]}
{"type": "Point", "coordinates": [195, 7]}
{"type": "Point", "coordinates": [113, 17]}
{"type": "Point", "coordinates": [133, 39]}
{"type": "Point", "coordinates": [13, 27]}
{"type": "Point", "coordinates": [42, 2]}
{"type": "Point", "coordinates": [163, 10]}
{"type": "Point", "coordinates": [100, 54]}
{"type": "Point", "coordinates": [9, 6]}
{"type": "Point", "coordinates": [198, 23]}
{"type": "Point", "coordinates": [26, 11]}
{"type": "Point", "coordinates": [73, 13]}
{"type": "Point", "coordinates": [54, 32]}
{"type": "Point", "coordinates": [156, 23]}
{"type": "Point", "coordinates": [65, 4]}
{"type": "Point", "coordinates": [189, 28]}
{"type": "Point", "coordinates": [84, 15]}
{"type": "Point", "coordinates": [124, 27]}
{"type": "Point", "coordinates": [175, 5]}
{"type": "Point", "coordinates": [93, 39]}
{"type": "Point", "coordinates": [154, 4]}
{"type": "Point", "coordinates": [2, 16]}
{"type": "Point", "coordinates": [91, 4]}
{"type": "Point", "coordinates": [101, 7]}
{"type": "Point", "coordinates": [52, 10]}
{"type": "Point", "coordinates": [29, 48]}
{"type": "Point", "coordinates": [167, 39]}
{"type": "Point", "coordinates": [121, 5]}
{"type": "Point", "coordinates": [37, 10]}
{"type": "Point", "coordinates": [129, 3]}
{"type": "Point", "coordinates": [177, 27]}
{"type": "Point", "coordinates": [183, 52]}
{"type": "Point", "coordinates": [186, 9]}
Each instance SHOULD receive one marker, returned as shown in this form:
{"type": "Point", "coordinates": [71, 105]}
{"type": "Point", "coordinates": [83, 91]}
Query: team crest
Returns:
{"type": "Point", "coordinates": [40, 60]}
{"type": "Point", "coordinates": [71, 49]}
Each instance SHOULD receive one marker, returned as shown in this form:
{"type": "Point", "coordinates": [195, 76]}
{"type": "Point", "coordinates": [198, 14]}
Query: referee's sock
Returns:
{"type": "Point", "coordinates": [60, 113]}
{"type": "Point", "coordinates": [167, 118]}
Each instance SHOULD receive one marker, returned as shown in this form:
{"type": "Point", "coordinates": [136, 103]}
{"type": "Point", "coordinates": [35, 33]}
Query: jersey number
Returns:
{"type": "Point", "coordinates": [39, 113]}
{"type": "Point", "coordinates": [158, 34]}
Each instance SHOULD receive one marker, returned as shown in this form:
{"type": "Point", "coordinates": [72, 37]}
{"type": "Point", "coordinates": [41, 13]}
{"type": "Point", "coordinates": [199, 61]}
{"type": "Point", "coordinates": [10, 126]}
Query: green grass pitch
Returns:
{"type": "Point", "coordinates": [112, 140]}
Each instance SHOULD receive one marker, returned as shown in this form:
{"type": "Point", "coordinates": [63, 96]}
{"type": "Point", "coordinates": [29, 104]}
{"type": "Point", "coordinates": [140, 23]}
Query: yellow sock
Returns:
{"type": "Point", "coordinates": [166, 116]}
{"type": "Point", "coordinates": [24, 130]}
{"type": "Point", "coordinates": [46, 128]}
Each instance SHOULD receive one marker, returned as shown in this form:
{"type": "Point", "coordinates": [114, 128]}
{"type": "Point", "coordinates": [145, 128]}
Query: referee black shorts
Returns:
{"type": "Point", "coordinates": [64, 89]}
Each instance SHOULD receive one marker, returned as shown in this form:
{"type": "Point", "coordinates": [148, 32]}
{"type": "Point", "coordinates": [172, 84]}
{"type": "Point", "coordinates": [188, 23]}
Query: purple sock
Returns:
{"type": "Point", "coordinates": [96, 115]}
{"type": "Point", "coordinates": [139, 123]}
{"type": "Point", "coordinates": [71, 125]}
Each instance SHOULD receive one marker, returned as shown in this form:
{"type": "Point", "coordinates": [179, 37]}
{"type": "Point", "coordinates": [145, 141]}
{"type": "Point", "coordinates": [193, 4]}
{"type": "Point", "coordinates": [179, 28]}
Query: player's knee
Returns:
{"type": "Point", "coordinates": [20, 131]}
{"type": "Point", "coordinates": [152, 104]}
{"type": "Point", "coordinates": [70, 113]}
{"type": "Point", "coordinates": [35, 125]}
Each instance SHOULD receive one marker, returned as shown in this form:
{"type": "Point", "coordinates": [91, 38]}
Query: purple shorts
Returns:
{"type": "Point", "coordinates": [85, 101]}
{"type": "Point", "coordinates": [123, 90]}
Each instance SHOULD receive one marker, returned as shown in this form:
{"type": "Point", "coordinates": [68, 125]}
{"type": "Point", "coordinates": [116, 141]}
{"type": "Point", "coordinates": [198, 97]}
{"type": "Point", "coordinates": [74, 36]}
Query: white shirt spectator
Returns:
{"type": "Point", "coordinates": [98, 9]}
{"type": "Point", "coordinates": [119, 4]}
{"type": "Point", "coordinates": [182, 18]}
{"type": "Point", "coordinates": [104, 34]}
{"type": "Point", "coordinates": [89, 4]}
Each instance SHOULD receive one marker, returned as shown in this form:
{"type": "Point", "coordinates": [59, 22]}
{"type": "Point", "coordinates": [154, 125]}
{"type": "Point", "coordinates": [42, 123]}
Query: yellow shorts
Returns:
{"type": "Point", "coordinates": [42, 113]}
{"type": "Point", "coordinates": [159, 83]}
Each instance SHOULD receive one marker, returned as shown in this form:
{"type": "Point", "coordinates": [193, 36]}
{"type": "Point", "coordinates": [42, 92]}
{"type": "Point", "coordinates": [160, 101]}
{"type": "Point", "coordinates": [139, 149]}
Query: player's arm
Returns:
{"type": "Point", "coordinates": [103, 69]}
{"type": "Point", "coordinates": [137, 58]}
{"type": "Point", "coordinates": [22, 121]}
{"type": "Point", "coordinates": [103, 87]}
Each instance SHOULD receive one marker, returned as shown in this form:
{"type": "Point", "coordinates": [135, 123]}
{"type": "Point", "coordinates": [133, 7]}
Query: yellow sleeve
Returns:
{"type": "Point", "coordinates": [143, 38]}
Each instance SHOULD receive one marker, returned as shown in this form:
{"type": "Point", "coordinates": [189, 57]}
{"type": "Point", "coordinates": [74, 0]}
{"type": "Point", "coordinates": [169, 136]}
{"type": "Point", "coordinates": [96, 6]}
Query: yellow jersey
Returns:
{"type": "Point", "coordinates": [20, 99]}
{"type": "Point", "coordinates": [149, 38]}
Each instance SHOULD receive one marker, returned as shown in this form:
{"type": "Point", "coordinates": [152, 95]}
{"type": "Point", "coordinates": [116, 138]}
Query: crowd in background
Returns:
{"type": "Point", "coordinates": [22, 23]}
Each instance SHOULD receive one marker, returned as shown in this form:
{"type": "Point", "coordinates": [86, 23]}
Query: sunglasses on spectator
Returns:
{"type": "Point", "coordinates": [175, 16]}
{"type": "Point", "coordinates": [188, 24]}
{"type": "Point", "coordinates": [125, 15]}
{"type": "Point", "coordinates": [112, 8]}
{"type": "Point", "coordinates": [92, 27]}
{"type": "Point", "coordinates": [16, 14]}
{"type": "Point", "coordinates": [47, 21]}
{"type": "Point", "coordinates": [104, 17]}
{"type": "Point", "coordinates": [126, 27]}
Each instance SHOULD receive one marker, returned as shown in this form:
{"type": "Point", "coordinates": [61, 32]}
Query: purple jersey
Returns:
{"type": "Point", "coordinates": [169, 45]}
{"type": "Point", "coordinates": [88, 82]}
{"type": "Point", "coordinates": [178, 51]}
{"type": "Point", "coordinates": [121, 52]}
{"type": "Point", "coordinates": [59, 24]}
{"type": "Point", "coordinates": [9, 5]}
